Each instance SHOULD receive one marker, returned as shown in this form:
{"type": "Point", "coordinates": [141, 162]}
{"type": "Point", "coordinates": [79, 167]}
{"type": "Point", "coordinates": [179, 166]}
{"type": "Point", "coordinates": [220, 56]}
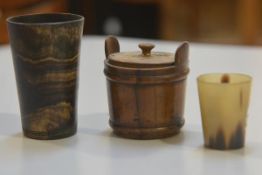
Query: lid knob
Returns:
{"type": "Point", "coordinates": [146, 48]}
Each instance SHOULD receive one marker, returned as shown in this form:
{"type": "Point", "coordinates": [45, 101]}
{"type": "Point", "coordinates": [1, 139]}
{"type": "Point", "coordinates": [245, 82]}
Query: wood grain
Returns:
{"type": "Point", "coordinates": [147, 103]}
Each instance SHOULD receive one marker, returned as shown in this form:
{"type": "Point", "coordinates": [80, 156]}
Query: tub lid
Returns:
{"type": "Point", "coordinates": [143, 58]}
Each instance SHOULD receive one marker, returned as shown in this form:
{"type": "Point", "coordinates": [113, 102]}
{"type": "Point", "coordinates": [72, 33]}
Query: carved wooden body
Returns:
{"type": "Point", "coordinates": [146, 102]}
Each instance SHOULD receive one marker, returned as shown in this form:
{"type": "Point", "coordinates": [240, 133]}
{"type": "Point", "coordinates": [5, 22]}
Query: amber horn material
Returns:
{"type": "Point", "coordinates": [111, 45]}
{"type": "Point", "coordinates": [181, 56]}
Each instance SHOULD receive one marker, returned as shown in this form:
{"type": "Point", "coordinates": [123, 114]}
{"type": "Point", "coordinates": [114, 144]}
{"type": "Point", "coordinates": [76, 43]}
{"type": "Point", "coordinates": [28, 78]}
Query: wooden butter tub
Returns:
{"type": "Point", "coordinates": [146, 91]}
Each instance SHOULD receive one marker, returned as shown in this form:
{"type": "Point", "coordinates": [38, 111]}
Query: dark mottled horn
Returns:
{"type": "Point", "coordinates": [111, 45]}
{"type": "Point", "coordinates": [181, 56]}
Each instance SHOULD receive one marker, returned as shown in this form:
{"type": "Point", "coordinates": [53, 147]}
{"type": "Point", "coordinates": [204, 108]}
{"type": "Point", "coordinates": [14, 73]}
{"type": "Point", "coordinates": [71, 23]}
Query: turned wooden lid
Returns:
{"type": "Point", "coordinates": [143, 58]}
{"type": "Point", "coordinates": [146, 58]}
